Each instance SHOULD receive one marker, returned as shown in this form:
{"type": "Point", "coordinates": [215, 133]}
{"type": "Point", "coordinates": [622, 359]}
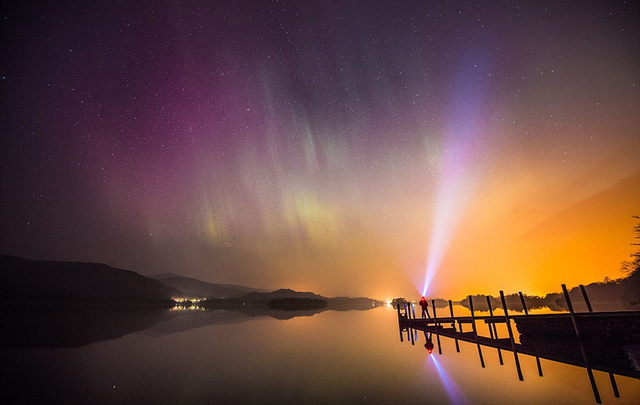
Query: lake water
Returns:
{"type": "Point", "coordinates": [193, 357]}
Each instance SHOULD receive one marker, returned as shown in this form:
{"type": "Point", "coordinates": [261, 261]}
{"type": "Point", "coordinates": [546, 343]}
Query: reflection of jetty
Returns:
{"type": "Point", "coordinates": [603, 341]}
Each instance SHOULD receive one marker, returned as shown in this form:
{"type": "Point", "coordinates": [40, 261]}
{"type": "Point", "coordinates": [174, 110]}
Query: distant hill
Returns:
{"type": "Point", "coordinates": [23, 280]}
{"type": "Point", "coordinates": [348, 303]}
{"type": "Point", "coordinates": [297, 304]}
{"type": "Point", "coordinates": [262, 299]}
{"type": "Point", "coordinates": [278, 294]}
{"type": "Point", "coordinates": [201, 288]}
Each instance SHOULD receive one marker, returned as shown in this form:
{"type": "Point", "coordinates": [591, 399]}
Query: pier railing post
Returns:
{"type": "Point", "coordinates": [494, 330]}
{"type": "Point", "coordinates": [409, 330]}
{"type": "Point", "coordinates": [614, 386]}
{"type": "Point", "coordinates": [513, 343]}
{"type": "Point", "coordinates": [415, 331]}
{"type": "Point", "coordinates": [526, 312]}
{"type": "Point", "coordinates": [524, 306]}
{"type": "Point", "coordinates": [399, 321]}
{"type": "Point", "coordinates": [435, 318]}
{"type": "Point", "coordinates": [586, 298]}
{"type": "Point", "coordinates": [475, 331]}
{"type": "Point", "coordinates": [596, 394]}
{"type": "Point", "coordinates": [453, 325]}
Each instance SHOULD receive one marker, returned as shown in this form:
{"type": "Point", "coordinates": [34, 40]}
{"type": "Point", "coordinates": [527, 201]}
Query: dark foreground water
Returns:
{"type": "Point", "coordinates": [186, 357]}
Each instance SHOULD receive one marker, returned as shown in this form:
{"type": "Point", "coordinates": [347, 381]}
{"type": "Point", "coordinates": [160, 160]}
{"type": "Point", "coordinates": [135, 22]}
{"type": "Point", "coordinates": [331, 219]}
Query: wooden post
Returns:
{"type": "Point", "coordinates": [413, 310]}
{"type": "Point", "coordinates": [475, 332]}
{"type": "Point", "coordinates": [586, 298]}
{"type": "Point", "coordinates": [460, 326]}
{"type": "Point", "coordinates": [399, 319]}
{"type": "Point", "coordinates": [513, 343]}
{"type": "Point", "coordinates": [526, 312]}
{"type": "Point", "coordinates": [493, 330]}
{"type": "Point", "coordinates": [612, 378]}
{"type": "Point", "coordinates": [409, 329]}
{"type": "Point", "coordinates": [435, 318]}
{"type": "Point", "coordinates": [524, 306]}
{"type": "Point", "coordinates": [539, 366]}
{"type": "Point", "coordinates": [453, 324]}
{"type": "Point", "coordinates": [596, 394]}
{"type": "Point", "coordinates": [491, 335]}
{"type": "Point", "coordinates": [406, 315]}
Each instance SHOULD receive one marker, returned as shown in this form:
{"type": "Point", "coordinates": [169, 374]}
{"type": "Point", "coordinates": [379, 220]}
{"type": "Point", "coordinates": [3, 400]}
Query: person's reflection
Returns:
{"type": "Point", "coordinates": [429, 344]}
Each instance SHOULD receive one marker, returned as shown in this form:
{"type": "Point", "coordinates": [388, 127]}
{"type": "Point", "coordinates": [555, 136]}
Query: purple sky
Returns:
{"type": "Point", "coordinates": [305, 143]}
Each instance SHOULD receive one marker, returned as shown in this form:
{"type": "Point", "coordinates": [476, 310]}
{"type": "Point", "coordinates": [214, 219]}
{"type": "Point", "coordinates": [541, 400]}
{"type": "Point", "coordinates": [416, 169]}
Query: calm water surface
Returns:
{"type": "Point", "coordinates": [332, 357]}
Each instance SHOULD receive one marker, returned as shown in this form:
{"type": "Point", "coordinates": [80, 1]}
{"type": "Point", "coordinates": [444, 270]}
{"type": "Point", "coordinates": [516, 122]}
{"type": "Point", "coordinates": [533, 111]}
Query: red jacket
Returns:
{"type": "Point", "coordinates": [423, 303]}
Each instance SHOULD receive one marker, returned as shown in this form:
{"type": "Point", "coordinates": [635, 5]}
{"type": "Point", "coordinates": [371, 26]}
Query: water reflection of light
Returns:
{"type": "Point", "coordinates": [188, 308]}
{"type": "Point", "coordinates": [454, 393]}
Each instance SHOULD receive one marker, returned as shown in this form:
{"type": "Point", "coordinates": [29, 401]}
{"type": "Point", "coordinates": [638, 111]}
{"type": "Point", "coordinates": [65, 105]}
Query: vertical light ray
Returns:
{"type": "Point", "coordinates": [455, 180]}
{"type": "Point", "coordinates": [449, 207]}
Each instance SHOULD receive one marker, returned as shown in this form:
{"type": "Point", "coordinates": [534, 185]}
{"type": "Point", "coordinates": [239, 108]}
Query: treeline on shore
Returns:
{"type": "Point", "coordinates": [608, 295]}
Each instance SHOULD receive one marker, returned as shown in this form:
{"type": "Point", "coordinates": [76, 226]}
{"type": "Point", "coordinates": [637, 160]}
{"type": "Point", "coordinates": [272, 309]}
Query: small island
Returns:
{"type": "Point", "coordinates": [296, 304]}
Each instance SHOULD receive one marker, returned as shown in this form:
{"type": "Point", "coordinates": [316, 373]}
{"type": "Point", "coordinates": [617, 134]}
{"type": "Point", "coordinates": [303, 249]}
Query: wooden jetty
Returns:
{"type": "Point", "coordinates": [603, 341]}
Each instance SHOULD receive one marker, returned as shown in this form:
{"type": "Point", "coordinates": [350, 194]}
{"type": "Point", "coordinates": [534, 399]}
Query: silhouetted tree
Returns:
{"type": "Point", "coordinates": [632, 266]}
{"type": "Point", "coordinates": [631, 286]}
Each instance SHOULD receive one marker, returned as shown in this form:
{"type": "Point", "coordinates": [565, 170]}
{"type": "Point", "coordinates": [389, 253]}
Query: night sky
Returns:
{"type": "Point", "coordinates": [343, 147]}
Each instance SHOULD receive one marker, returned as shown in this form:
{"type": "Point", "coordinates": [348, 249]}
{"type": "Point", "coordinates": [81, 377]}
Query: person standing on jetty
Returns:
{"type": "Point", "coordinates": [425, 307]}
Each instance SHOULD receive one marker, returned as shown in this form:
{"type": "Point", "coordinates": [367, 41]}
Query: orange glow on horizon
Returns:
{"type": "Point", "coordinates": [500, 247]}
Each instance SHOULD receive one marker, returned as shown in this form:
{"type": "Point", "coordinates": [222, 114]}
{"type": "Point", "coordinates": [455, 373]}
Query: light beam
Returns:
{"type": "Point", "coordinates": [456, 177]}
{"type": "Point", "coordinates": [454, 393]}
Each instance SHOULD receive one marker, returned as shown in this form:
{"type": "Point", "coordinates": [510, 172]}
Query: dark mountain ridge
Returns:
{"type": "Point", "coordinates": [23, 280]}
{"type": "Point", "coordinates": [200, 288]}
